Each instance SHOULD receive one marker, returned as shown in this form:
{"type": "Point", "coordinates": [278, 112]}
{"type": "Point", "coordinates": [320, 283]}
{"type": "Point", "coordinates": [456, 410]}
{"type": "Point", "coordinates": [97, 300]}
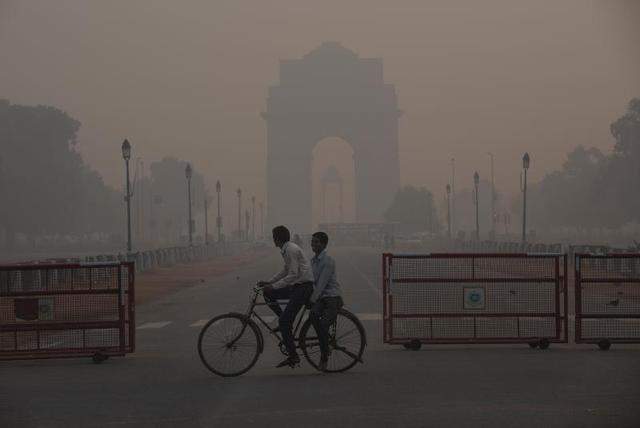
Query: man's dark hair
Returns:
{"type": "Point", "coordinates": [322, 237]}
{"type": "Point", "coordinates": [281, 233]}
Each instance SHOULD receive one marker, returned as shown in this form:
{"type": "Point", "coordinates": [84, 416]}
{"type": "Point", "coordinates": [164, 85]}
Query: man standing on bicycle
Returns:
{"type": "Point", "coordinates": [326, 299]}
{"type": "Point", "coordinates": [294, 282]}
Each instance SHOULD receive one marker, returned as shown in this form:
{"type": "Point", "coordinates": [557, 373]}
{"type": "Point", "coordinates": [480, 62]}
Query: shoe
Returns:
{"type": "Point", "coordinates": [292, 362]}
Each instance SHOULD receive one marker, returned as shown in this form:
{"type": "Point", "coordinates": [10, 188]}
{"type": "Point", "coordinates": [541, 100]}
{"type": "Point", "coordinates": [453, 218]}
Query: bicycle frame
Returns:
{"type": "Point", "coordinates": [251, 313]}
{"type": "Point", "coordinates": [307, 343]}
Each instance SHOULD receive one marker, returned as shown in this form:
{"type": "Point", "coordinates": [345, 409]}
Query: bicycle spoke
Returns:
{"type": "Point", "coordinates": [347, 352]}
{"type": "Point", "coordinates": [346, 341]}
{"type": "Point", "coordinates": [228, 346]}
{"type": "Point", "coordinates": [355, 329]}
{"type": "Point", "coordinates": [354, 341]}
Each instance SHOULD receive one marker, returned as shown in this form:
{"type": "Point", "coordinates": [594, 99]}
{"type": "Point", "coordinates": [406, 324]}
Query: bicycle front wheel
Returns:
{"type": "Point", "coordinates": [229, 344]}
{"type": "Point", "coordinates": [347, 340]}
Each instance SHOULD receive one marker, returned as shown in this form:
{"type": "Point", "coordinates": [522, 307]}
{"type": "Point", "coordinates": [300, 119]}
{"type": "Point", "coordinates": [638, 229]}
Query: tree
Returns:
{"type": "Point", "coordinates": [568, 196]}
{"type": "Point", "coordinates": [621, 175]}
{"type": "Point", "coordinates": [626, 131]}
{"type": "Point", "coordinates": [48, 187]}
{"type": "Point", "coordinates": [592, 189]}
{"type": "Point", "coordinates": [414, 209]}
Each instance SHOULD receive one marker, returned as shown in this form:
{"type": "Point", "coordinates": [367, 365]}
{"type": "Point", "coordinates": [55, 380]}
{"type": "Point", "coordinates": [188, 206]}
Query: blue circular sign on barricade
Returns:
{"type": "Point", "coordinates": [474, 298]}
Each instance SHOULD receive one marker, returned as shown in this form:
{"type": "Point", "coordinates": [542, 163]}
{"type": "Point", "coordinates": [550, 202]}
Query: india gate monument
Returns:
{"type": "Point", "coordinates": [330, 92]}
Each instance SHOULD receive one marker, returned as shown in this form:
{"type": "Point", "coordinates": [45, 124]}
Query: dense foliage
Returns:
{"type": "Point", "coordinates": [593, 189]}
{"type": "Point", "coordinates": [414, 209]}
{"type": "Point", "coordinates": [46, 188]}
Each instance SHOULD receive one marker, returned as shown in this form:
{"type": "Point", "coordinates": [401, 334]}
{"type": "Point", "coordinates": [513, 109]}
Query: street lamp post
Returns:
{"type": "Point", "coordinates": [493, 200]}
{"type": "Point", "coordinates": [246, 223]}
{"type": "Point", "coordinates": [448, 211]}
{"type": "Point", "coordinates": [453, 195]}
{"type": "Point", "coordinates": [188, 173]}
{"type": "Point", "coordinates": [126, 155]}
{"type": "Point", "coordinates": [261, 220]}
{"type": "Point", "coordinates": [206, 219]}
{"type": "Point", "coordinates": [239, 193]}
{"type": "Point", "coordinates": [476, 181]}
{"type": "Point", "coordinates": [138, 207]}
{"type": "Point", "coordinates": [507, 221]}
{"type": "Point", "coordinates": [523, 188]}
{"type": "Point", "coordinates": [253, 218]}
{"type": "Point", "coordinates": [219, 218]}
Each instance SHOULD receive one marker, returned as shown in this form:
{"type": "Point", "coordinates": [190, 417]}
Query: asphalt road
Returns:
{"type": "Point", "coordinates": [164, 383]}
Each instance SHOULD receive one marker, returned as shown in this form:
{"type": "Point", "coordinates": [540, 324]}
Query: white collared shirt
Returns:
{"type": "Point", "coordinates": [297, 268]}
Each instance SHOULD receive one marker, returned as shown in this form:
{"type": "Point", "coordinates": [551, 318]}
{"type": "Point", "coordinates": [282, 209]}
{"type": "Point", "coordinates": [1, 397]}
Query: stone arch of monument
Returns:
{"type": "Point", "coordinates": [331, 178]}
{"type": "Point", "coordinates": [330, 92]}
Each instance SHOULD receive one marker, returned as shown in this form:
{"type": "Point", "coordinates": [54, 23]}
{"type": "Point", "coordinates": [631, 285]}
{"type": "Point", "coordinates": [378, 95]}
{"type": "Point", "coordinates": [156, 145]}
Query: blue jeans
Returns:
{"type": "Point", "coordinates": [298, 295]}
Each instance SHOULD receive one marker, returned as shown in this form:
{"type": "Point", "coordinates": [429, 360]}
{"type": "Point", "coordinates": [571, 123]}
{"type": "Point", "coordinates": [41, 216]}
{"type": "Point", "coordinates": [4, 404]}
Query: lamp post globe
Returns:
{"type": "Point", "coordinates": [525, 161]}
{"type": "Point", "coordinates": [188, 172]}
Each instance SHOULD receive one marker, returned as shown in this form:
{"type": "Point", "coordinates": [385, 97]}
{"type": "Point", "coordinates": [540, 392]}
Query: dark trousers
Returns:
{"type": "Point", "coordinates": [323, 314]}
{"type": "Point", "coordinates": [298, 295]}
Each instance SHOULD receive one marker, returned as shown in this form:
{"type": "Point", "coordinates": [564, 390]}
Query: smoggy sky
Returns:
{"type": "Point", "coordinates": [189, 78]}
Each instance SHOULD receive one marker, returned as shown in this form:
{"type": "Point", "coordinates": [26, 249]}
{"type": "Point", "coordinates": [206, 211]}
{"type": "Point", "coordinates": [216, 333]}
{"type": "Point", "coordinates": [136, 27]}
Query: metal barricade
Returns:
{"type": "Point", "coordinates": [607, 294]}
{"type": "Point", "coordinates": [474, 298]}
{"type": "Point", "coordinates": [54, 310]}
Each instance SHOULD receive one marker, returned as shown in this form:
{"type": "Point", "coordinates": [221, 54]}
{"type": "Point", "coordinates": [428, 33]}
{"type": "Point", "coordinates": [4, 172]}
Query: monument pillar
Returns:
{"type": "Point", "coordinates": [330, 92]}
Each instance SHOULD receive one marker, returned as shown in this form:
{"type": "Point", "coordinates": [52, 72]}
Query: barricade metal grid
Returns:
{"type": "Point", "coordinates": [474, 298]}
{"type": "Point", "coordinates": [64, 310]}
{"type": "Point", "coordinates": [607, 295]}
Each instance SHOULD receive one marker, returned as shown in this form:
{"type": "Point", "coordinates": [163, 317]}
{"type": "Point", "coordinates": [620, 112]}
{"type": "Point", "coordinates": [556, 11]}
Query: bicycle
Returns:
{"type": "Point", "coordinates": [230, 344]}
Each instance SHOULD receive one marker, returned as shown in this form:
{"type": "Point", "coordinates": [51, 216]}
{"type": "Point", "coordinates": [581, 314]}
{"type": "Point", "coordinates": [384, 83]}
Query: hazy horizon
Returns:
{"type": "Point", "coordinates": [190, 81]}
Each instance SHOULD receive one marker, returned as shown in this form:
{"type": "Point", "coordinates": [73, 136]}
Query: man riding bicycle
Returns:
{"type": "Point", "coordinates": [293, 282]}
{"type": "Point", "coordinates": [326, 299]}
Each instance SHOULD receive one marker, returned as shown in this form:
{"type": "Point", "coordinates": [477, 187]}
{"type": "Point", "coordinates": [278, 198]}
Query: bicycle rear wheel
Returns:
{"type": "Point", "coordinates": [229, 344]}
{"type": "Point", "coordinates": [347, 340]}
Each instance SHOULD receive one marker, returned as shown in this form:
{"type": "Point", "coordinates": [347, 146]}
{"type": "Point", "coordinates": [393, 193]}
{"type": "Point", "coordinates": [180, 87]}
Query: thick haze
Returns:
{"type": "Point", "coordinates": [189, 79]}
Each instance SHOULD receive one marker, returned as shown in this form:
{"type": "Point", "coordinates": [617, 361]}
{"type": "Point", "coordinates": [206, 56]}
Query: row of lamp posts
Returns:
{"type": "Point", "coordinates": [450, 192]}
{"type": "Point", "coordinates": [126, 155]}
